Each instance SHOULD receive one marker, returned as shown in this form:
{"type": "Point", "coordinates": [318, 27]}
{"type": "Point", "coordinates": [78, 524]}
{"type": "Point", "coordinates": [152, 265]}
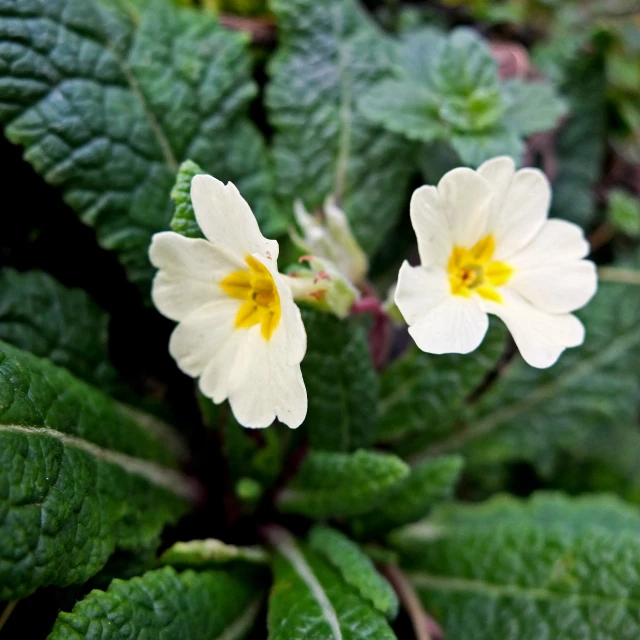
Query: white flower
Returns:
{"type": "Point", "coordinates": [239, 329]}
{"type": "Point", "coordinates": [486, 246]}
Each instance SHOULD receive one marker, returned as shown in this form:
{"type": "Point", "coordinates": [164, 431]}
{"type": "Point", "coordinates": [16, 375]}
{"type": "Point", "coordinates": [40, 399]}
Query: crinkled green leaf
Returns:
{"type": "Point", "coordinates": [309, 599]}
{"type": "Point", "coordinates": [166, 604]}
{"type": "Point", "coordinates": [531, 414]}
{"type": "Point", "coordinates": [78, 478]}
{"type": "Point", "coordinates": [64, 325]}
{"type": "Point", "coordinates": [341, 382]}
{"type": "Point", "coordinates": [580, 145]}
{"type": "Point", "coordinates": [555, 570]}
{"type": "Point", "coordinates": [475, 148]}
{"type": "Point", "coordinates": [424, 392]}
{"type": "Point", "coordinates": [184, 217]}
{"type": "Point", "coordinates": [108, 98]}
{"type": "Point", "coordinates": [341, 484]}
{"type": "Point", "coordinates": [428, 483]}
{"type": "Point", "coordinates": [355, 567]}
{"type": "Point", "coordinates": [330, 53]}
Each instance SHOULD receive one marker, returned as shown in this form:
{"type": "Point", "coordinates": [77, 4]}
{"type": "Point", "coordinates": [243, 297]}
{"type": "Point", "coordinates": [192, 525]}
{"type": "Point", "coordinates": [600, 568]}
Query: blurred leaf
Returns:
{"type": "Point", "coordinates": [78, 478]}
{"type": "Point", "coordinates": [167, 604]}
{"type": "Point", "coordinates": [107, 98]}
{"type": "Point", "coordinates": [355, 567]}
{"type": "Point", "coordinates": [551, 567]}
{"type": "Point", "coordinates": [184, 217]}
{"type": "Point", "coordinates": [38, 314]}
{"type": "Point", "coordinates": [341, 382]}
{"type": "Point", "coordinates": [330, 485]}
{"type": "Point", "coordinates": [198, 553]}
{"type": "Point", "coordinates": [624, 212]}
{"type": "Point", "coordinates": [411, 499]}
{"type": "Point", "coordinates": [425, 392]}
{"type": "Point", "coordinates": [329, 54]}
{"type": "Point", "coordinates": [309, 599]}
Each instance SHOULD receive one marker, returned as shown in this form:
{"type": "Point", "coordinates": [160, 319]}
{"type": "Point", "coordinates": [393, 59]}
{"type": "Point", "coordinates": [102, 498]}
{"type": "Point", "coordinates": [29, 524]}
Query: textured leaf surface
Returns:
{"type": "Point", "coordinates": [412, 498]}
{"type": "Point", "coordinates": [422, 392]}
{"type": "Point", "coordinates": [64, 325]}
{"type": "Point", "coordinates": [532, 414]}
{"type": "Point", "coordinates": [107, 101]}
{"type": "Point", "coordinates": [184, 217]}
{"type": "Point", "coordinates": [545, 572]}
{"type": "Point", "coordinates": [355, 567]}
{"type": "Point", "coordinates": [212, 605]}
{"type": "Point", "coordinates": [330, 53]}
{"type": "Point", "coordinates": [78, 478]}
{"type": "Point", "coordinates": [309, 599]}
{"type": "Point", "coordinates": [340, 484]}
{"type": "Point", "coordinates": [341, 382]}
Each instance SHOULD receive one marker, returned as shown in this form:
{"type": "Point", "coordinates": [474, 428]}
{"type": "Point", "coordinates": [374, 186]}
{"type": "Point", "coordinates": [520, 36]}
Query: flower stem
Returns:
{"type": "Point", "coordinates": [6, 614]}
{"type": "Point", "coordinates": [624, 276]}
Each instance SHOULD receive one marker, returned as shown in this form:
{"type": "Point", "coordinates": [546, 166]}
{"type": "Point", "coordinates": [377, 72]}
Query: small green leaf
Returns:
{"type": "Point", "coordinates": [78, 478]}
{"type": "Point", "coordinates": [339, 484]}
{"type": "Point", "coordinates": [330, 53]}
{"type": "Point", "coordinates": [355, 567]}
{"type": "Point", "coordinates": [428, 483]}
{"type": "Point", "coordinates": [184, 218]}
{"type": "Point", "coordinates": [64, 325]}
{"type": "Point", "coordinates": [624, 212]}
{"type": "Point", "coordinates": [109, 97]}
{"type": "Point", "coordinates": [552, 567]}
{"type": "Point", "coordinates": [341, 382]}
{"type": "Point", "coordinates": [166, 604]}
{"type": "Point", "coordinates": [198, 553]}
{"type": "Point", "coordinates": [309, 599]}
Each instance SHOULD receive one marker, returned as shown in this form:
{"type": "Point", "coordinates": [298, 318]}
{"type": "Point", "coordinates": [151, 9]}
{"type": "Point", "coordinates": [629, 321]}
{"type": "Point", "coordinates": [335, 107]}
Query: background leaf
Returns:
{"type": "Point", "coordinates": [108, 99]}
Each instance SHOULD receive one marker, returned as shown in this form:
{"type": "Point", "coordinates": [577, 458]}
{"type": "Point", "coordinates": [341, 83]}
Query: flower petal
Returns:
{"type": "Point", "coordinates": [456, 325]}
{"type": "Point", "coordinates": [419, 290]}
{"type": "Point", "coordinates": [498, 172]}
{"type": "Point", "coordinates": [429, 220]}
{"type": "Point", "coordinates": [466, 197]}
{"type": "Point", "coordinates": [557, 288]}
{"type": "Point", "coordinates": [263, 386]}
{"type": "Point", "coordinates": [519, 212]}
{"type": "Point", "coordinates": [190, 269]}
{"type": "Point", "coordinates": [558, 242]}
{"type": "Point", "coordinates": [227, 220]}
{"type": "Point", "coordinates": [541, 337]}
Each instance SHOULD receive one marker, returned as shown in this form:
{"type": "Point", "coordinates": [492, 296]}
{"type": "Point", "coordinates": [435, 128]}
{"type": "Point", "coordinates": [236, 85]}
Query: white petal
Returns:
{"type": "Point", "coordinates": [419, 290]}
{"type": "Point", "coordinates": [197, 340]}
{"type": "Point", "coordinates": [498, 172]}
{"type": "Point", "coordinates": [214, 381]}
{"type": "Point", "coordinates": [227, 220]}
{"type": "Point", "coordinates": [466, 197]}
{"type": "Point", "coordinates": [541, 337]}
{"type": "Point", "coordinates": [190, 270]}
{"type": "Point", "coordinates": [264, 386]}
{"type": "Point", "coordinates": [558, 242]}
{"type": "Point", "coordinates": [456, 325]}
{"type": "Point", "coordinates": [557, 288]}
{"type": "Point", "coordinates": [429, 220]}
{"type": "Point", "coordinates": [519, 212]}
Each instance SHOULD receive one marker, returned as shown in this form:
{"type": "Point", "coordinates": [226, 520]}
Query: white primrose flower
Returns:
{"type": "Point", "coordinates": [486, 246]}
{"type": "Point", "coordinates": [239, 329]}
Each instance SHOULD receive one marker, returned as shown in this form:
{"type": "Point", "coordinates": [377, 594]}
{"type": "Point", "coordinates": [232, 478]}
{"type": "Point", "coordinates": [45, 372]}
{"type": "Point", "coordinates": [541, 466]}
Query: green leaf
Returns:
{"type": "Point", "coordinates": [64, 325]}
{"type": "Point", "coordinates": [330, 53]}
{"type": "Point", "coordinates": [423, 392]}
{"type": "Point", "coordinates": [198, 553]}
{"type": "Point", "coordinates": [166, 604]}
{"type": "Point", "coordinates": [341, 382]}
{"type": "Point", "coordinates": [553, 568]}
{"type": "Point", "coordinates": [428, 483]}
{"type": "Point", "coordinates": [78, 478]}
{"type": "Point", "coordinates": [184, 218]}
{"type": "Point", "coordinates": [580, 145]}
{"type": "Point", "coordinates": [355, 567]}
{"type": "Point", "coordinates": [475, 148]}
{"type": "Point", "coordinates": [309, 599]}
{"type": "Point", "coordinates": [339, 484]}
{"type": "Point", "coordinates": [531, 414]}
{"type": "Point", "coordinates": [107, 99]}
{"type": "Point", "coordinates": [624, 212]}
{"type": "Point", "coordinates": [531, 106]}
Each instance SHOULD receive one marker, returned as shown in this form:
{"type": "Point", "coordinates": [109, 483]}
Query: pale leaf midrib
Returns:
{"type": "Point", "coordinates": [156, 474]}
{"type": "Point", "coordinates": [239, 627]}
{"type": "Point", "coordinates": [423, 580]}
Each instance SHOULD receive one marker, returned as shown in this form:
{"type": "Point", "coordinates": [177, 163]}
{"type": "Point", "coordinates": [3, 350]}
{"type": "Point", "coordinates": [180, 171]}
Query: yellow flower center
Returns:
{"type": "Point", "coordinates": [474, 271]}
{"type": "Point", "coordinates": [261, 302]}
